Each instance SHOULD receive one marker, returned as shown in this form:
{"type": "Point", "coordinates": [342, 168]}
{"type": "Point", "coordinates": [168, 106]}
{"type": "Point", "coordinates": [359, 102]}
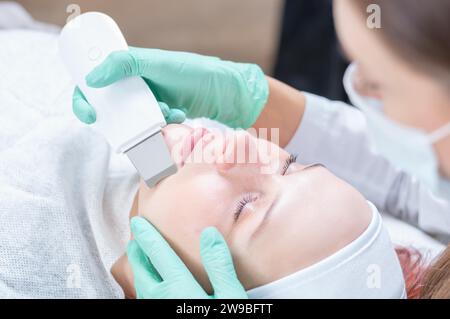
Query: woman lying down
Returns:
{"type": "Point", "coordinates": [294, 231]}
{"type": "Point", "coordinates": [65, 199]}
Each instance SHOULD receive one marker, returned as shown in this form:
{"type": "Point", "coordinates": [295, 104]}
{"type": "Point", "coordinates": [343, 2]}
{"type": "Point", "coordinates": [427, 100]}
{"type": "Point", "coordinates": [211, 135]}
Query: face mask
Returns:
{"type": "Point", "coordinates": [409, 148]}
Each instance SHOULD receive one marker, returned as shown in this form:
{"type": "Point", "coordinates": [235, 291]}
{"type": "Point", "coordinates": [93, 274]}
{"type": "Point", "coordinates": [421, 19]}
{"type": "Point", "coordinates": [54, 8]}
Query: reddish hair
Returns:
{"type": "Point", "coordinates": [414, 268]}
{"type": "Point", "coordinates": [436, 282]}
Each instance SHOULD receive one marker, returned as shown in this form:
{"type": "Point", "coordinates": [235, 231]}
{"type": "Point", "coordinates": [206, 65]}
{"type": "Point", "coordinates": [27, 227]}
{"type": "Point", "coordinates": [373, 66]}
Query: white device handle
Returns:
{"type": "Point", "coordinates": [127, 112]}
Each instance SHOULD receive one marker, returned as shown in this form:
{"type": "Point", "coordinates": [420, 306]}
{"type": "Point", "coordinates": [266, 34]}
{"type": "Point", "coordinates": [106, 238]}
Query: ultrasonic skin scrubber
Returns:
{"type": "Point", "coordinates": [128, 115]}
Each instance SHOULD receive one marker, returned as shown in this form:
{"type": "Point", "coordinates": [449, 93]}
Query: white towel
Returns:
{"type": "Point", "coordinates": [64, 198]}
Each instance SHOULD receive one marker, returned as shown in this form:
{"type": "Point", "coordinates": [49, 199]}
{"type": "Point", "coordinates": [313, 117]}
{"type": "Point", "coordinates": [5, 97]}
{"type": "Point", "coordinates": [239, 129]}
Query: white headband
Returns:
{"type": "Point", "coordinates": [366, 268]}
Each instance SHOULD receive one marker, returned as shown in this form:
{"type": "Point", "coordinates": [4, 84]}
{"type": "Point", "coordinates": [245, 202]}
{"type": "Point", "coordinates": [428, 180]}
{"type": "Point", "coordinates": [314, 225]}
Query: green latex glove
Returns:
{"type": "Point", "coordinates": [229, 92]}
{"type": "Point", "coordinates": [160, 273]}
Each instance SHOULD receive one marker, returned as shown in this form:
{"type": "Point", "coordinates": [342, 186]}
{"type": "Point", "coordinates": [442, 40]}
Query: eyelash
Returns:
{"type": "Point", "coordinates": [249, 198]}
{"type": "Point", "coordinates": [290, 160]}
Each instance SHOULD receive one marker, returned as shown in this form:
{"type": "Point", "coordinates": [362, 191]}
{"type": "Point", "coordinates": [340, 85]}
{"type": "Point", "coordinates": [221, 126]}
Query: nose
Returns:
{"type": "Point", "coordinates": [174, 135]}
{"type": "Point", "coordinates": [242, 149]}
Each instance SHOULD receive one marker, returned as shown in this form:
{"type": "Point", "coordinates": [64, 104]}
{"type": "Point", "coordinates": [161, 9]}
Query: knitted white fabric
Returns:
{"type": "Point", "coordinates": [64, 197]}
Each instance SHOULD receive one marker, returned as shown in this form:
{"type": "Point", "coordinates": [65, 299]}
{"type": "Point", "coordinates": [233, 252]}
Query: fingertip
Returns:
{"type": "Point", "coordinates": [83, 111]}
{"type": "Point", "coordinates": [139, 225]}
{"type": "Point", "coordinates": [89, 117]}
{"type": "Point", "coordinates": [164, 109]}
{"type": "Point", "coordinates": [118, 65]}
{"type": "Point", "coordinates": [132, 248]}
{"type": "Point", "coordinates": [211, 237]}
{"type": "Point", "coordinates": [95, 78]}
{"type": "Point", "coordinates": [172, 116]}
{"type": "Point", "coordinates": [176, 116]}
{"type": "Point", "coordinates": [86, 116]}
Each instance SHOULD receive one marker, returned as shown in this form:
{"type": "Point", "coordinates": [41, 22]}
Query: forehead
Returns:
{"type": "Point", "coordinates": [354, 35]}
{"type": "Point", "coordinates": [365, 45]}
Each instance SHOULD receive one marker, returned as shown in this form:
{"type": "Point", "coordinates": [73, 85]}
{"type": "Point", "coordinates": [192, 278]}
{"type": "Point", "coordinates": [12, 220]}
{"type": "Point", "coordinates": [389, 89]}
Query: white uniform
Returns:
{"type": "Point", "coordinates": [335, 134]}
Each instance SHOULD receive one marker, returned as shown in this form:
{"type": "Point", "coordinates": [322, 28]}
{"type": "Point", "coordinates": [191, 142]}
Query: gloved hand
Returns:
{"type": "Point", "coordinates": [160, 273]}
{"type": "Point", "coordinates": [231, 93]}
{"type": "Point", "coordinates": [86, 113]}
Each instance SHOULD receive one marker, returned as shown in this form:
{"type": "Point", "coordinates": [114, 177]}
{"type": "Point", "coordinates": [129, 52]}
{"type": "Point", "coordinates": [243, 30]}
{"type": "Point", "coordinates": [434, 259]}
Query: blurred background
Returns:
{"type": "Point", "coordinates": [232, 29]}
{"type": "Point", "coordinates": [293, 40]}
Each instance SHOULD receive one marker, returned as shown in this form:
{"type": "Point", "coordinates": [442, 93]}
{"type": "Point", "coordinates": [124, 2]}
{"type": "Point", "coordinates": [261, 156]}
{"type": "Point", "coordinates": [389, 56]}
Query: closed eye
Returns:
{"type": "Point", "coordinates": [289, 161]}
{"type": "Point", "coordinates": [249, 198]}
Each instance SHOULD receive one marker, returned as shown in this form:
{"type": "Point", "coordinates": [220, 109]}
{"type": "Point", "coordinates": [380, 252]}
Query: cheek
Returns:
{"type": "Point", "coordinates": [182, 207]}
{"type": "Point", "coordinates": [186, 204]}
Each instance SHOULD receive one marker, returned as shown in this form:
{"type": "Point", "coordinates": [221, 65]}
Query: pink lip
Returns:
{"type": "Point", "coordinates": [191, 141]}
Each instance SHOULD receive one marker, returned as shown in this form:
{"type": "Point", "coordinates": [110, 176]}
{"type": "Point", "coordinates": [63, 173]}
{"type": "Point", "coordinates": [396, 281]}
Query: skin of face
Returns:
{"type": "Point", "coordinates": [276, 221]}
{"type": "Point", "coordinates": [409, 96]}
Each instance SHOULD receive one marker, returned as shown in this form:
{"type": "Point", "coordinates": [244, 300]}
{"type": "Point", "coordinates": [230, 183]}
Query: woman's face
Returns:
{"type": "Point", "coordinates": [276, 215]}
{"type": "Point", "coordinates": [409, 96]}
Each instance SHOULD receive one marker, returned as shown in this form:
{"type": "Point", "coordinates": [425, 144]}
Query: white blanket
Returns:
{"type": "Point", "coordinates": [64, 197]}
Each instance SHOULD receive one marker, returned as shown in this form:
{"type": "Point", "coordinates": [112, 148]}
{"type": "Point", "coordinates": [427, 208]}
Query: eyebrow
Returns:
{"type": "Point", "coordinates": [268, 212]}
{"type": "Point", "coordinates": [312, 166]}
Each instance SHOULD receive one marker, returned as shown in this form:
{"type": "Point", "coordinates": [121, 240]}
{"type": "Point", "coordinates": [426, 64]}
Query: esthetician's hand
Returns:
{"type": "Point", "coordinates": [86, 113]}
{"type": "Point", "coordinates": [229, 92]}
{"type": "Point", "coordinates": [159, 273]}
